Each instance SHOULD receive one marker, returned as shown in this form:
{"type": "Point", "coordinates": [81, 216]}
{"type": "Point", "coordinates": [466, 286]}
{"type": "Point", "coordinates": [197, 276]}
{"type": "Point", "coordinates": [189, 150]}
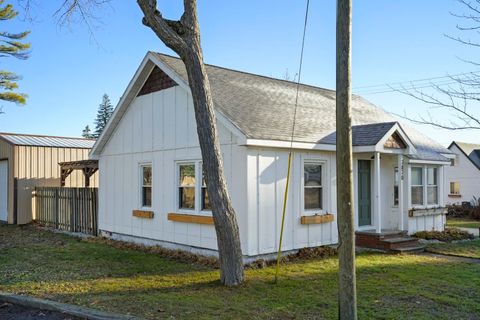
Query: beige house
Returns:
{"type": "Point", "coordinates": [28, 161]}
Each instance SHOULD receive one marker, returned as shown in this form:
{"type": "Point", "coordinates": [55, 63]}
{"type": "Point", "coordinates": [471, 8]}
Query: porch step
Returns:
{"type": "Point", "coordinates": [407, 250]}
{"type": "Point", "coordinates": [389, 240]}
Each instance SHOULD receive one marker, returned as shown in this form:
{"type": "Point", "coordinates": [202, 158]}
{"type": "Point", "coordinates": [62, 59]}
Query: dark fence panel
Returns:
{"type": "Point", "coordinates": [69, 209]}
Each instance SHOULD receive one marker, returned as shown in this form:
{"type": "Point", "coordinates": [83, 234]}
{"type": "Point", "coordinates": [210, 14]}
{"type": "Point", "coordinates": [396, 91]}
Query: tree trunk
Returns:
{"type": "Point", "coordinates": [183, 37]}
{"type": "Point", "coordinates": [226, 227]}
{"type": "Point", "coordinates": [347, 297]}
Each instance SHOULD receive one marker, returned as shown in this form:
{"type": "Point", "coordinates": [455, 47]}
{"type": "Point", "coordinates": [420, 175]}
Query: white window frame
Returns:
{"type": "Point", "coordinates": [425, 186]}
{"type": "Point", "coordinates": [450, 187]}
{"type": "Point", "coordinates": [437, 186]}
{"type": "Point", "coordinates": [197, 210]}
{"type": "Point", "coordinates": [140, 167]}
{"type": "Point", "coordinates": [323, 164]}
{"type": "Point", "coordinates": [396, 171]}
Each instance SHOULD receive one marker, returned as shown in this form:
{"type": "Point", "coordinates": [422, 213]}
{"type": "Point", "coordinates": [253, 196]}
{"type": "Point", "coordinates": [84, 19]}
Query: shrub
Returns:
{"type": "Point", "coordinates": [469, 210]}
{"type": "Point", "coordinates": [448, 235]}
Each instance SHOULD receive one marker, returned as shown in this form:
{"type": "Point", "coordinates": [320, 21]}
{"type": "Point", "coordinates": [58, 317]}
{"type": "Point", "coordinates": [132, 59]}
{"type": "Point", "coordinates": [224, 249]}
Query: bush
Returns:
{"type": "Point", "coordinates": [470, 210]}
{"type": "Point", "coordinates": [448, 235]}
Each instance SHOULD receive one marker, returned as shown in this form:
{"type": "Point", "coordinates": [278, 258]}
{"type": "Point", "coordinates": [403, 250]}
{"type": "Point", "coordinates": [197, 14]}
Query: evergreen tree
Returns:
{"type": "Point", "coordinates": [11, 46]}
{"type": "Point", "coordinates": [105, 110]}
{"type": "Point", "coordinates": [87, 133]}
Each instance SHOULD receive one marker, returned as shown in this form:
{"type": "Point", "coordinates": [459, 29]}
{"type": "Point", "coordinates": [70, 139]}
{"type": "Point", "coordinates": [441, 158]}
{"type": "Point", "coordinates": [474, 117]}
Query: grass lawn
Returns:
{"type": "Point", "coordinates": [470, 249]}
{"type": "Point", "coordinates": [58, 267]}
{"type": "Point", "coordinates": [463, 223]}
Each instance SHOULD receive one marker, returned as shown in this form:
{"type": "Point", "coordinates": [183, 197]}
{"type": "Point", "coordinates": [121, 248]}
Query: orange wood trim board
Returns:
{"type": "Point", "coordinates": [143, 214]}
{"type": "Point", "coordinates": [190, 218]}
{"type": "Point", "coordinates": [317, 219]}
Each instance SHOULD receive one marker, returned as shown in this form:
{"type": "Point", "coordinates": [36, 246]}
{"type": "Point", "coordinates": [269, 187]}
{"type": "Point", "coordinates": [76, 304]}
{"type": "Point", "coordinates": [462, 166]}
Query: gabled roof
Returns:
{"type": "Point", "coordinates": [262, 108]}
{"type": "Point", "coordinates": [364, 135]}
{"type": "Point", "coordinates": [470, 150]}
{"type": "Point", "coordinates": [47, 141]}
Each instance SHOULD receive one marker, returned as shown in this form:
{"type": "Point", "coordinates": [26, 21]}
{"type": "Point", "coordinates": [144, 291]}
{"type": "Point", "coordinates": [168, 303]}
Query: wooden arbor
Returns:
{"type": "Point", "coordinates": [88, 167]}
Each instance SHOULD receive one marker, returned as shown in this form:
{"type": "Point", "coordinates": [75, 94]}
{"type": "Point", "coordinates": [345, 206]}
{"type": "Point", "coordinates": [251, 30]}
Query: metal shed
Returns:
{"type": "Point", "coordinates": [28, 161]}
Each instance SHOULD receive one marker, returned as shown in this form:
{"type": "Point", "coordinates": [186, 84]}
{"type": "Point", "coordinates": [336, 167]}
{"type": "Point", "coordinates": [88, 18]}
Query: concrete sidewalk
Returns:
{"type": "Point", "coordinates": [63, 308]}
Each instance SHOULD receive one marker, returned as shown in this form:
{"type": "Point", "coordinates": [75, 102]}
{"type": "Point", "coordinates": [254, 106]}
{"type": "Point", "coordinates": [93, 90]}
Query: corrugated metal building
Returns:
{"type": "Point", "coordinates": [27, 161]}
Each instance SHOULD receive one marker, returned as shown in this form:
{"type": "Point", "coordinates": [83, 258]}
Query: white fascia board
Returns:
{"type": "Point", "coordinates": [302, 145]}
{"type": "Point", "coordinates": [415, 161]}
{"type": "Point", "coordinates": [288, 144]}
{"type": "Point", "coordinates": [448, 155]}
{"type": "Point", "coordinates": [119, 110]}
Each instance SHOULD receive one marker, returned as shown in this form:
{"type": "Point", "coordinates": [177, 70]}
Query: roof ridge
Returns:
{"type": "Point", "coordinates": [44, 136]}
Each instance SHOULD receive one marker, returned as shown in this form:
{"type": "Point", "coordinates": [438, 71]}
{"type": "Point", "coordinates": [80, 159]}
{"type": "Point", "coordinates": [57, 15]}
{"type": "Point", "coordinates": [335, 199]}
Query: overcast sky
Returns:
{"type": "Point", "coordinates": [393, 41]}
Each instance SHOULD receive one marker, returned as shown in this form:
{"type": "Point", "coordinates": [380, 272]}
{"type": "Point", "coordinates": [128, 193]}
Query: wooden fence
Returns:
{"type": "Point", "coordinates": [69, 209]}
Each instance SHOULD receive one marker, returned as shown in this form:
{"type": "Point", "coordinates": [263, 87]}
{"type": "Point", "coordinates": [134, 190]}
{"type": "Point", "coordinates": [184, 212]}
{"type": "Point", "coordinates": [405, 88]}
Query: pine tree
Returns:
{"type": "Point", "coordinates": [11, 46]}
{"type": "Point", "coordinates": [105, 110]}
{"type": "Point", "coordinates": [87, 133]}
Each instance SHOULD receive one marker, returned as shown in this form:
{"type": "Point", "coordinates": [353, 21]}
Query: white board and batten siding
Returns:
{"type": "Point", "coordinates": [159, 128]}
{"type": "Point", "coordinates": [267, 173]}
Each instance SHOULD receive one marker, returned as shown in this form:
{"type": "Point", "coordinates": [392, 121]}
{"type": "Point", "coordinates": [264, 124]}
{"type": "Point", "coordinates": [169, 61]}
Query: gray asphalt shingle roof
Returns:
{"type": "Point", "coordinates": [47, 141]}
{"type": "Point", "coordinates": [471, 150]}
{"type": "Point", "coordinates": [364, 135]}
{"type": "Point", "coordinates": [263, 107]}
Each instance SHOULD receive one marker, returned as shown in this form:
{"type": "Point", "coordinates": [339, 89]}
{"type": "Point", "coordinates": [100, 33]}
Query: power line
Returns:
{"type": "Point", "coordinates": [412, 84]}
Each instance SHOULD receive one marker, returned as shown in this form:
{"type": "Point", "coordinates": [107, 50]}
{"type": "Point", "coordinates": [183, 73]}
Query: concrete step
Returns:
{"type": "Point", "coordinates": [408, 250]}
{"type": "Point", "coordinates": [401, 242]}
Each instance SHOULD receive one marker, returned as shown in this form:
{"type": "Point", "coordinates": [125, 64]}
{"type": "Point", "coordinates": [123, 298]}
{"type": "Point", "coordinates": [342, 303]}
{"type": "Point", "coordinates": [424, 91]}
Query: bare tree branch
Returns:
{"type": "Point", "coordinates": [461, 96]}
{"type": "Point", "coordinates": [169, 31]}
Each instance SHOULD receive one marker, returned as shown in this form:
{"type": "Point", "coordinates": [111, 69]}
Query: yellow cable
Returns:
{"type": "Point", "coordinates": [285, 196]}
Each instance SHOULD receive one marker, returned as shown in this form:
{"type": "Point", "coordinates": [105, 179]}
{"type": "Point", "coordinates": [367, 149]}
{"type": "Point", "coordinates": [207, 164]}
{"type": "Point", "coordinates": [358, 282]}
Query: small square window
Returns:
{"type": "Point", "coordinates": [454, 187]}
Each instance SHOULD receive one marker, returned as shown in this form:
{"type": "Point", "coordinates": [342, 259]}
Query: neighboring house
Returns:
{"type": "Point", "coordinates": [151, 186]}
{"type": "Point", "coordinates": [462, 178]}
{"type": "Point", "coordinates": [28, 161]}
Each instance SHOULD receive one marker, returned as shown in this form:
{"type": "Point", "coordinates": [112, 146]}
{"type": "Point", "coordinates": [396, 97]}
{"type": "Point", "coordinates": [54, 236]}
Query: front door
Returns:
{"type": "Point", "coordinates": [364, 193]}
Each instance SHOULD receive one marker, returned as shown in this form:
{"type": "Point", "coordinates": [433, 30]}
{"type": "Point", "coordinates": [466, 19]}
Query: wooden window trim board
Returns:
{"type": "Point", "coordinates": [317, 219]}
{"type": "Point", "coordinates": [143, 214]}
{"type": "Point", "coordinates": [190, 218]}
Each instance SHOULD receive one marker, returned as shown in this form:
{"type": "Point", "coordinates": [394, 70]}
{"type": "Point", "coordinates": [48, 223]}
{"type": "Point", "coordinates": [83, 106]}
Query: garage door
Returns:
{"type": "Point", "coordinates": [3, 190]}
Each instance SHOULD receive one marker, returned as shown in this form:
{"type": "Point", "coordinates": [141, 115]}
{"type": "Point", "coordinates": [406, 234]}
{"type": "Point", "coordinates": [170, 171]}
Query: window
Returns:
{"type": "Point", "coordinates": [192, 192]}
{"type": "Point", "coordinates": [417, 186]}
{"type": "Point", "coordinates": [454, 187]}
{"type": "Point", "coordinates": [205, 199]}
{"type": "Point", "coordinates": [313, 190]}
{"type": "Point", "coordinates": [424, 186]}
{"type": "Point", "coordinates": [146, 171]}
{"type": "Point", "coordinates": [396, 179]}
{"type": "Point", "coordinates": [432, 186]}
{"type": "Point", "coordinates": [186, 187]}
{"type": "Point", "coordinates": [454, 161]}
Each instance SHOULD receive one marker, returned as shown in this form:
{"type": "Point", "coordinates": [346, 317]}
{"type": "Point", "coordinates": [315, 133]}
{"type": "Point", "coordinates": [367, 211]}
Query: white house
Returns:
{"type": "Point", "coordinates": [150, 164]}
{"type": "Point", "coordinates": [462, 178]}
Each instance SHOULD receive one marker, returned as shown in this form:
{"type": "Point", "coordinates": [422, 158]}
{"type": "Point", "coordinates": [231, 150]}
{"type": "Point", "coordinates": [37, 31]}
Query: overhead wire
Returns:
{"type": "Point", "coordinates": [285, 196]}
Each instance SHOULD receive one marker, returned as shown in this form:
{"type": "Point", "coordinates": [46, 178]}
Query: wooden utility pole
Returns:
{"type": "Point", "coordinates": [347, 295]}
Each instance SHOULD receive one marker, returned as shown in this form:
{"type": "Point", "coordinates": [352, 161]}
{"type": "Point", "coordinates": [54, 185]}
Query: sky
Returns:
{"type": "Point", "coordinates": [72, 66]}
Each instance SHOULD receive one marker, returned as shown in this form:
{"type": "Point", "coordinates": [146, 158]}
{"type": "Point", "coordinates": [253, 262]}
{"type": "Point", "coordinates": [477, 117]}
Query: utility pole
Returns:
{"type": "Point", "coordinates": [347, 295]}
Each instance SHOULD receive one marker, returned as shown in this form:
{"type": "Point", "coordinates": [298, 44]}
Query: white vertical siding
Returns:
{"type": "Point", "coordinates": [160, 128]}
{"type": "Point", "coordinates": [267, 172]}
